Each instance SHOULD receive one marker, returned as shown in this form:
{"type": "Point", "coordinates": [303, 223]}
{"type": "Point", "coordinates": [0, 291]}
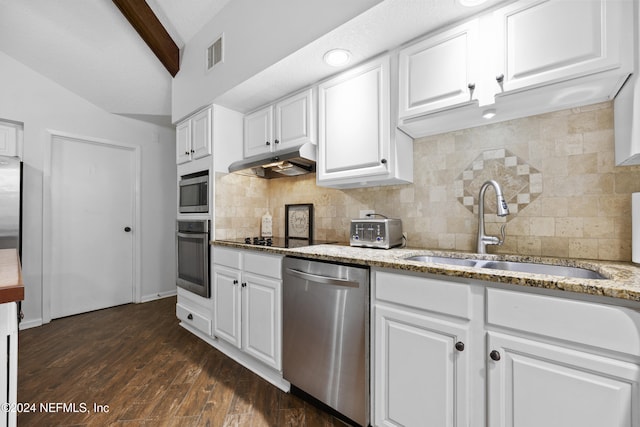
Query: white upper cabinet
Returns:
{"type": "Point", "coordinates": [438, 72]}
{"type": "Point", "coordinates": [9, 136]}
{"type": "Point", "coordinates": [295, 120]}
{"type": "Point", "coordinates": [545, 41]}
{"type": "Point", "coordinates": [357, 145]}
{"type": "Point", "coordinates": [627, 110]}
{"type": "Point", "coordinates": [287, 123]}
{"type": "Point", "coordinates": [529, 57]}
{"type": "Point", "coordinates": [258, 132]}
{"type": "Point", "coordinates": [193, 137]}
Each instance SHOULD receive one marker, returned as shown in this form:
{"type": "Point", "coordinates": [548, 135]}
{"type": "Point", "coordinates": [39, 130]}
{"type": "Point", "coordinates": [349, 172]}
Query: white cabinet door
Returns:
{"type": "Point", "coordinates": [438, 72]}
{"type": "Point", "coordinates": [353, 123]}
{"type": "Point", "coordinates": [201, 134]}
{"type": "Point", "coordinates": [537, 384]}
{"type": "Point", "coordinates": [258, 132]}
{"type": "Point", "coordinates": [227, 304]}
{"type": "Point", "coordinates": [294, 120]}
{"type": "Point", "coordinates": [183, 142]}
{"type": "Point", "coordinates": [421, 379]}
{"type": "Point", "coordinates": [261, 318]}
{"type": "Point", "coordinates": [545, 41]}
{"type": "Point", "coordinates": [8, 140]}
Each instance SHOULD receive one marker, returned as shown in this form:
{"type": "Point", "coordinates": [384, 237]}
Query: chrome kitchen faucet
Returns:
{"type": "Point", "coordinates": [503, 210]}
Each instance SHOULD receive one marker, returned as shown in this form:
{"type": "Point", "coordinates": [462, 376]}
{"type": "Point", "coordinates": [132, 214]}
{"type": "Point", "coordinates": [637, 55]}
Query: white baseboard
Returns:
{"type": "Point", "coordinates": [160, 295]}
{"type": "Point", "coordinates": [27, 324]}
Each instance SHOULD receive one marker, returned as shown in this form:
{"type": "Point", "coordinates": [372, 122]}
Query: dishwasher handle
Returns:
{"type": "Point", "coordinates": [325, 280]}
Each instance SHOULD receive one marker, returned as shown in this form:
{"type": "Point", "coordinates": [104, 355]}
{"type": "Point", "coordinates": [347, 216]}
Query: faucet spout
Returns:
{"type": "Point", "coordinates": [502, 210]}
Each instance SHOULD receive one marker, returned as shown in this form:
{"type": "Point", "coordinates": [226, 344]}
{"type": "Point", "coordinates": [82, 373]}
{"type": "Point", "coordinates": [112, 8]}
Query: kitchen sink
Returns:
{"type": "Point", "coordinates": [553, 270]}
{"type": "Point", "coordinates": [522, 267]}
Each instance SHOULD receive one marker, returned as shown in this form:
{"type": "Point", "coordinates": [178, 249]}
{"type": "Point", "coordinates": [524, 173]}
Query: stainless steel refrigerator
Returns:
{"type": "Point", "coordinates": [10, 204]}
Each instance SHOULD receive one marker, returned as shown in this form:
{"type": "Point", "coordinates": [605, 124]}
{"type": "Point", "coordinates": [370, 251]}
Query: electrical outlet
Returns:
{"type": "Point", "coordinates": [365, 212]}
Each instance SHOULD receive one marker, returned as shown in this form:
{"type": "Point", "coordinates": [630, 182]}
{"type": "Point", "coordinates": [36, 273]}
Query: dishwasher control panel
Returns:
{"type": "Point", "coordinates": [376, 233]}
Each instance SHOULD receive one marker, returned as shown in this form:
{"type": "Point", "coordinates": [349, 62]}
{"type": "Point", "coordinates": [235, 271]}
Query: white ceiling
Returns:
{"type": "Point", "coordinates": [88, 47]}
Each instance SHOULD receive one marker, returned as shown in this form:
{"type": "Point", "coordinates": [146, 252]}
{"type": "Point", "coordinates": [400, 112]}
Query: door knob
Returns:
{"type": "Point", "coordinates": [494, 355]}
{"type": "Point", "coordinates": [127, 229]}
{"type": "Point", "coordinates": [460, 346]}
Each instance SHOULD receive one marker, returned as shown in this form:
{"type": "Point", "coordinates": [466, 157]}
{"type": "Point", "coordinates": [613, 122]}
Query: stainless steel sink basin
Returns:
{"type": "Point", "coordinates": [553, 270]}
{"type": "Point", "coordinates": [522, 267]}
{"type": "Point", "coordinates": [443, 260]}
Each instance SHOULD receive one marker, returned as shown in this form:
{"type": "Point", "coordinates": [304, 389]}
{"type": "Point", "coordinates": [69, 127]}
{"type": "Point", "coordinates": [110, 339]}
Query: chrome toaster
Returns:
{"type": "Point", "coordinates": [376, 233]}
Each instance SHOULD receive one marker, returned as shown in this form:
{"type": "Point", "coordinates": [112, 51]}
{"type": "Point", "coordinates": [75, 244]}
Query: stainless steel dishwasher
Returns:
{"type": "Point", "coordinates": [326, 334]}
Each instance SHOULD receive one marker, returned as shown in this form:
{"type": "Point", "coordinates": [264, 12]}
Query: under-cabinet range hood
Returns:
{"type": "Point", "coordinates": [292, 161]}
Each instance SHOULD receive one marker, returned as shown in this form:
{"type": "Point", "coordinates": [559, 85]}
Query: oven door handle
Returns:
{"type": "Point", "coordinates": [192, 235]}
{"type": "Point", "coordinates": [325, 280]}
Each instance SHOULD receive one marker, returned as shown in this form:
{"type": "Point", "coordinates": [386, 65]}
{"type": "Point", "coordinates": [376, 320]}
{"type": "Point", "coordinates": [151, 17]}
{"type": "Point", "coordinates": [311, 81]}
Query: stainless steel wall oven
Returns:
{"type": "Point", "coordinates": [192, 256]}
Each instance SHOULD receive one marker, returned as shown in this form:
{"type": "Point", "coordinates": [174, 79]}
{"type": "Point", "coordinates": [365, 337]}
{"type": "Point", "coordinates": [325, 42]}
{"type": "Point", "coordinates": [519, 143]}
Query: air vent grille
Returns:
{"type": "Point", "coordinates": [214, 53]}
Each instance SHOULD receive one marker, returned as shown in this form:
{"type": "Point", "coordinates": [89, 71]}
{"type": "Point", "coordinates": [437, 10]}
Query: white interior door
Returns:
{"type": "Point", "coordinates": [92, 206]}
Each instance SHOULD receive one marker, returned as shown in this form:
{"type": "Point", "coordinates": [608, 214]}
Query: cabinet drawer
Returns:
{"type": "Point", "coordinates": [425, 293]}
{"type": "Point", "coordinates": [228, 257]}
{"type": "Point", "coordinates": [599, 325]}
{"type": "Point", "coordinates": [190, 317]}
{"type": "Point", "coordinates": [265, 265]}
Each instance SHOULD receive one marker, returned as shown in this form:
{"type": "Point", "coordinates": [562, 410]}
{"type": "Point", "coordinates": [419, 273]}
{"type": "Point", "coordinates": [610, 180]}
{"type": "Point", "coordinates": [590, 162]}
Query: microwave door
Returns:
{"type": "Point", "coordinates": [194, 196]}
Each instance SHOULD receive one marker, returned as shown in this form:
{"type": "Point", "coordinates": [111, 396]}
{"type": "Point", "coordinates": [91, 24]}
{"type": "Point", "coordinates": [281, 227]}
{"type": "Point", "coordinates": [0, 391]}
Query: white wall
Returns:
{"type": "Point", "coordinates": [44, 106]}
{"type": "Point", "coordinates": [257, 34]}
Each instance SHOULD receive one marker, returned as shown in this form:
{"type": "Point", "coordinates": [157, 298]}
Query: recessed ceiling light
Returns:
{"type": "Point", "coordinates": [471, 3]}
{"type": "Point", "coordinates": [489, 114]}
{"type": "Point", "coordinates": [337, 57]}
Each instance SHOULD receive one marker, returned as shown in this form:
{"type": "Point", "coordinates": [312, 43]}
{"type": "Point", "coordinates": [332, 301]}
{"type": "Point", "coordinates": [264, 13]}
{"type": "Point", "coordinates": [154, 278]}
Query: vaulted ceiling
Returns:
{"type": "Point", "coordinates": [89, 47]}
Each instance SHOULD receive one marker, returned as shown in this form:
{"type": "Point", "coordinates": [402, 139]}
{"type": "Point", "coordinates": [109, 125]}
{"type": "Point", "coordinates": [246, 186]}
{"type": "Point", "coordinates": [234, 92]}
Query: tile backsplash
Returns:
{"type": "Point", "coordinates": [567, 197]}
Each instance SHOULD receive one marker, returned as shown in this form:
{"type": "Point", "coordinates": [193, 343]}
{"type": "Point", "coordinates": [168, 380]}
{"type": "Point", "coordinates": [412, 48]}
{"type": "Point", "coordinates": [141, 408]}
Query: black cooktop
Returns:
{"type": "Point", "coordinates": [279, 242]}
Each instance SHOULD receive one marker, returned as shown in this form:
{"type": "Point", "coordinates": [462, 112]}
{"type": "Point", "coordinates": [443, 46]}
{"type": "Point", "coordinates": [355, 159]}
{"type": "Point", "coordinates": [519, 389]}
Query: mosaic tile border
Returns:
{"type": "Point", "coordinates": [521, 183]}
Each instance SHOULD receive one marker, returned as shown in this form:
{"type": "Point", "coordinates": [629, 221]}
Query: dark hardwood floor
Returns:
{"type": "Point", "coordinates": [133, 365]}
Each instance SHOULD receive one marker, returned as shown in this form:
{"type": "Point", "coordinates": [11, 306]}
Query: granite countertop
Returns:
{"type": "Point", "coordinates": [622, 279]}
{"type": "Point", "coordinates": [11, 286]}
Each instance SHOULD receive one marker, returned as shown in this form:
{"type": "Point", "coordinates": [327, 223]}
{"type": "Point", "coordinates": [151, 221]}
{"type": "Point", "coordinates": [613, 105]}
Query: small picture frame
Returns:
{"type": "Point", "coordinates": [298, 223]}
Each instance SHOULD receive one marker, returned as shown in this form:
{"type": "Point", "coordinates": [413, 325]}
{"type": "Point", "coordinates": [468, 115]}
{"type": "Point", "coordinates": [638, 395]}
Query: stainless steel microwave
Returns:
{"type": "Point", "coordinates": [194, 193]}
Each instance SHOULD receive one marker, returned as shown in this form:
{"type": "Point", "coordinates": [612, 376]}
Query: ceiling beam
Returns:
{"type": "Point", "coordinates": [145, 22]}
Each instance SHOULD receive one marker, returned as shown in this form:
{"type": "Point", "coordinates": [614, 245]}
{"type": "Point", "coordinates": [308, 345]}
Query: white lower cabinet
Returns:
{"type": "Point", "coordinates": [534, 383]}
{"type": "Point", "coordinates": [559, 362]}
{"type": "Point", "coordinates": [529, 359]}
{"type": "Point", "coordinates": [247, 294]}
{"type": "Point", "coordinates": [421, 353]}
{"type": "Point", "coordinates": [420, 374]}
{"type": "Point", "coordinates": [194, 310]}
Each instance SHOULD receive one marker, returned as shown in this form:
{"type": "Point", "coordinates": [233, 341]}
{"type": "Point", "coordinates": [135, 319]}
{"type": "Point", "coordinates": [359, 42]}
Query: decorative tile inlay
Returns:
{"type": "Point", "coordinates": [521, 183]}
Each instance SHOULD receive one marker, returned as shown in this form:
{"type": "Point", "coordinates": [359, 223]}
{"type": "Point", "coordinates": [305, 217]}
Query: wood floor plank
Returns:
{"type": "Point", "coordinates": [136, 360]}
